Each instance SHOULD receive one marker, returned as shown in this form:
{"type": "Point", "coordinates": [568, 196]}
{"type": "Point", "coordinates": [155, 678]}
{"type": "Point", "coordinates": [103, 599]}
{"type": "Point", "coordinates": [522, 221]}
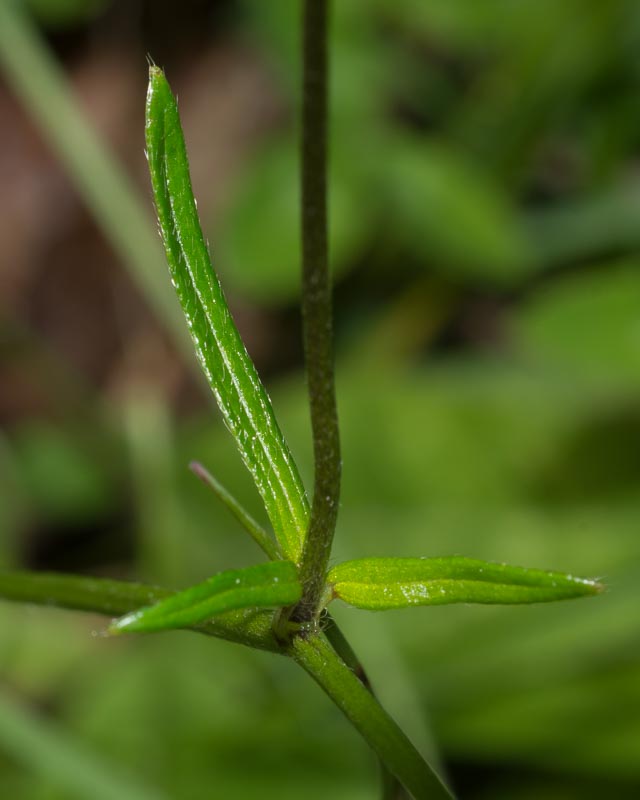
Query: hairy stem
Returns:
{"type": "Point", "coordinates": [316, 307]}
{"type": "Point", "coordinates": [383, 735]}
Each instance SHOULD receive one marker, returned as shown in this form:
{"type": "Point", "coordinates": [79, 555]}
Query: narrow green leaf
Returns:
{"type": "Point", "coordinates": [244, 403]}
{"type": "Point", "coordinates": [384, 583]}
{"type": "Point", "coordinates": [264, 586]}
{"type": "Point", "coordinates": [253, 528]}
{"type": "Point", "coordinates": [251, 627]}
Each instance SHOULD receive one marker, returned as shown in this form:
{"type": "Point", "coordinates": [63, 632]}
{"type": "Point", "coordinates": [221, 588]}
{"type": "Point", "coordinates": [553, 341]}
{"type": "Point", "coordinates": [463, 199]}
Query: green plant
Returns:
{"type": "Point", "coordinates": [239, 605]}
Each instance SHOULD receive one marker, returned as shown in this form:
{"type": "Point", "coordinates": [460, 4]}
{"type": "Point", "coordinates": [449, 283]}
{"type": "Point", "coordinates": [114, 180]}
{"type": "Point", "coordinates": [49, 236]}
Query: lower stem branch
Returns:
{"type": "Point", "coordinates": [380, 731]}
{"type": "Point", "coordinates": [392, 789]}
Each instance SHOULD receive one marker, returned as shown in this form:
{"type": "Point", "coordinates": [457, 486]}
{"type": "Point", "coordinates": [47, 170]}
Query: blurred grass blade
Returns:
{"type": "Point", "coordinates": [254, 529]}
{"type": "Point", "coordinates": [385, 583]}
{"type": "Point", "coordinates": [37, 79]}
{"type": "Point", "coordinates": [252, 628]}
{"type": "Point", "coordinates": [162, 533]}
{"type": "Point", "coordinates": [47, 750]}
{"type": "Point", "coordinates": [233, 378]}
{"type": "Point", "coordinates": [263, 586]}
{"type": "Point", "coordinates": [13, 504]}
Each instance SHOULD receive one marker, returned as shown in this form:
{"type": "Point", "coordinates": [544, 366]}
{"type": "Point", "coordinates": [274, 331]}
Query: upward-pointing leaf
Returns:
{"type": "Point", "coordinates": [384, 583]}
{"type": "Point", "coordinates": [245, 406]}
{"type": "Point", "coordinates": [268, 585]}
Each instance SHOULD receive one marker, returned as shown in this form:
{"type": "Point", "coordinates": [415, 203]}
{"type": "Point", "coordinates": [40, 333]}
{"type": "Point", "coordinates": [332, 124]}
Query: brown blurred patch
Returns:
{"type": "Point", "coordinates": [60, 284]}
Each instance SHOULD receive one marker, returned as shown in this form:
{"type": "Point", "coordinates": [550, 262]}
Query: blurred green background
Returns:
{"type": "Point", "coordinates": [485, 222]}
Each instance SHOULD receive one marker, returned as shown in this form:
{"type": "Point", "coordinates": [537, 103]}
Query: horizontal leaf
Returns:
{"type": "Point", "coordinates": [384, 583]}
{"type": "Point", "coordinates": [264, 586]}
{"type": "Point", "coordinates": [252, 628]}
{"type": "Point", "coordinates": [242, 399]}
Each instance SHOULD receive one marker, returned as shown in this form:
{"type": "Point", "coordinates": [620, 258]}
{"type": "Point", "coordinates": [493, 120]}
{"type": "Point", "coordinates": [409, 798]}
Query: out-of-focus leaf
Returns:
{"type": "Point", "coordinates": [244, 403]}
{"type": "Point", "coordinates": [534, 77]}
{"type": "Point", "coordinates": [489, 426]}
{"type": "Point", "coordinates": [39, 649]}
{"type": "Point", "coordinates": [264, 586]}
{"type": "Point", "coordinates": [261, 247]}
{"type": "Point", "coordinates": [46, 749]}
{"type": "Point", "coordinates": [589, 226]}
{"type": "Point", "coordinates": [60, 470]}
{"type": "Point", "coordinates": [451, 214]}
{"type": "Point", "coordinates": [218, 703]}
{"type": "Point", "coordinates": [565, 722]}
{"type": "Point", "coordinates": [58, 13]}
{"type": "Point", "coordinates": [589, 322]}
{"type": "Point", "coordinates": [358, 53]}
{"type": "Point", "coordinates": [383, 583]}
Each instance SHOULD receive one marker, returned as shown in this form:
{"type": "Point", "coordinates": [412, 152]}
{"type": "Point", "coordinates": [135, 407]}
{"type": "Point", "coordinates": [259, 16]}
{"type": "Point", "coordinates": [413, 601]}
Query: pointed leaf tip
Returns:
{"type": "Point", "coordinates": [271, 585]}
{"type": "Point", "coordinates": [233, 378]}
{"type": "Point", "coordinates": [387, 583]}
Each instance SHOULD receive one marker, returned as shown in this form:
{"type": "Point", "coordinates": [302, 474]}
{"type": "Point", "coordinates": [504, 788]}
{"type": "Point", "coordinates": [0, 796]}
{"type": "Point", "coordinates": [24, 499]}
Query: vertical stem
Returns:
{"type": "Point", "coordinates": [316, 308]}
{"type": "Point", "coordinates": [318, 345]}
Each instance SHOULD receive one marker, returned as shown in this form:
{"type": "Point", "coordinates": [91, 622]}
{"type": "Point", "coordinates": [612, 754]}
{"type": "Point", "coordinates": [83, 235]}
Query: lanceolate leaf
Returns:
{"type": "Point", "coordinates": [384, 583]}
{"type": "Point", "coordinates": [268, 585]}
{"type": "Point", "coordinates": [251, 627]}
{"type": "Point", "coordinates": [233, 378]}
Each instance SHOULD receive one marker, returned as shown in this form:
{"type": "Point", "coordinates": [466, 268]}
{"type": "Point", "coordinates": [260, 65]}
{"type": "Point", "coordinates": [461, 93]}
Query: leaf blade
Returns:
{"type": "Point", "coordinates": [387, 583]}
{"type": "Point", "coordinates": [252, 628]}
{"type": "Point", "coordinates": [240, 395]}
{"type": "Point", "coordinates": [273, 584]}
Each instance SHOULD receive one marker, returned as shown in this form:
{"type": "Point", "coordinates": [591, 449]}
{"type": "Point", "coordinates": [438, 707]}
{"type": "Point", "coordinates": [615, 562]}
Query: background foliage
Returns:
{"type": "Point", "coordinates": [485, 202]}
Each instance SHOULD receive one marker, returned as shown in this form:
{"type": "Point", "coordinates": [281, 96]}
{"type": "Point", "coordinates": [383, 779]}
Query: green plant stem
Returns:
{"type": "Point", "coordinates": [318, 659]}
{"type": "Point", "coordinates": [341, 645]}
{"type": "Point", "coordinates": [115, 598]}
{"type": "Point", "coordinates": [316, 308]}
{"type": "Point", "coordinates": [392, 789]}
